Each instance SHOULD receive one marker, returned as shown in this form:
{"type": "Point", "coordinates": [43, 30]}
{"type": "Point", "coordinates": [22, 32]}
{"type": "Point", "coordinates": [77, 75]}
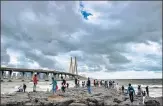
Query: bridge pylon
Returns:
{"type": "Point", "coordinates": [73, 67]}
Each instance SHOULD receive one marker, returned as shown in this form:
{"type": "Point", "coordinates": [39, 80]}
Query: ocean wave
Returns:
{"type": "Point", "coordinates": [150, 86]}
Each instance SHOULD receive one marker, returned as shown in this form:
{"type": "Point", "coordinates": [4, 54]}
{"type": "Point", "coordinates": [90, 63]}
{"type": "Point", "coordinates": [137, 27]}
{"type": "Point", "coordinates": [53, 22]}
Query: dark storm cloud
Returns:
{"type": "Point", "coordinates": [117, 58]}
{"type": "Point", "coordinates": [41, 59]}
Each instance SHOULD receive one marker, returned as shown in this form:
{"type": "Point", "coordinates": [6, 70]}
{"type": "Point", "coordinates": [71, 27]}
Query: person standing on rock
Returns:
{"type": "Point", "coordinates": [94, 82]}
{"type": "Point", "coordinates": [123, 89]}
{"type": "Point", "coordinates": [89, 86]}
{"type": "Point", "coordinates": [106, 84]}
{"type": "Point", "coordinates": [113, 84]}
{"type": "Point", "coordinates": [147, 90]}
{"type": "Point", "coordinates": [83, 84]}
{"type": "Point", "coordinates": [97, 83]}
{"type": "Point", "coordinates": [139, 90]}
{"type": "Point", "coordinates": [109, 84]}
{"type": "Point", "coordinates": [64, 81]}
{"type": "Point", "coordinates": [35, 80]}
{"type": "Point", "coordinates": [76, 81]}
{"type": "Point", "coordinates": [24, 87]}
{"type": "Point", "coordinates": [117, 87]}
{"type": "Point", "coordinates": [67, 85]}
{"type": "Point", "coordinates": [63, 85]}
{"type": "Point", "coordinates": [101, 83]}
{"type": "Point", "coordinates": [54, 85]}
{"type": "Point", "coordinates": [131, 92]}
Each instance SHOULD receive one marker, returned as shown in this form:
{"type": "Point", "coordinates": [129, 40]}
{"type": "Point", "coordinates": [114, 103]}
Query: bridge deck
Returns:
{"type": "Point", "coordinates": [34, 70]}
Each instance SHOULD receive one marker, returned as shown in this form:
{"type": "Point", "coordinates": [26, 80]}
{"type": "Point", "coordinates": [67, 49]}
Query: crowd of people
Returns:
{"type": "Point", "coordinates": [106, 84]}
{"type": "Point", "coordinates": [96, 83]}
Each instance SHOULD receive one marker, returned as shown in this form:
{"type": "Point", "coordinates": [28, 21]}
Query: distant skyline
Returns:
{"type": "Point", "coordinates": [111, 39]}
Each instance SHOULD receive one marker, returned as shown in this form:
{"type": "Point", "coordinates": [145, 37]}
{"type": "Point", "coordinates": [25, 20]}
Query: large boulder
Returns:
{"type": "Point", "coordinates": [159, 99]}
{"type": "Point", "coordinates": [65, 102]}
{"type": "Point", "coordinates": [152, 103]}
{"type": "Point", "coordinates": [125, 103]}
{"type": "Point", "coordinates": [118, 99]}
{"type": "Point", "coordinates": [18, 99]}
{"type": "Point", "coordinates": [109, 103]}
{"type": "Point", "coordinates": [97, 100]}
{"type": "Point", "coordinates": [92, 100]}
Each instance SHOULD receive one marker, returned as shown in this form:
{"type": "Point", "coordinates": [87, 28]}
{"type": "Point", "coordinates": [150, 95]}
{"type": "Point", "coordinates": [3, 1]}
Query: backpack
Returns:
{"type": "Point", "coordinates": [131, 89]}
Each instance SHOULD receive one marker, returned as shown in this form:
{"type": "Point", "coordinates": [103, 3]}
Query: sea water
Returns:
{"type": "Point", "coordinates": [155, 85]}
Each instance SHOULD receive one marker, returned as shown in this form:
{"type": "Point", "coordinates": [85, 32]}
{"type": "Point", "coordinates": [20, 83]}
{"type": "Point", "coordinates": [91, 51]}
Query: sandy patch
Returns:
{"type": "Point", "coordinates": [55, 98]}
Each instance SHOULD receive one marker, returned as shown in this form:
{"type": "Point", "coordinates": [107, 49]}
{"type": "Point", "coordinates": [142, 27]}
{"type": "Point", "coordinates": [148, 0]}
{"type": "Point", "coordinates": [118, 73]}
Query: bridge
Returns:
{"type": "Point", "coordinates": [53, 73]}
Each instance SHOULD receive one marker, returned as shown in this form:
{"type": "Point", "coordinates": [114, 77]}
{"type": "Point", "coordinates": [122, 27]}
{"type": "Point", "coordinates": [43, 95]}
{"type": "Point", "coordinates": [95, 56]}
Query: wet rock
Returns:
{"type": "Point", "coordinates": [97, 94]}
{"type": "Point", "coordinates": [28, 104]}
{"type": "Point", "coordinates": [110, 103]}
{"type": "Point", "coordinates": [46, 103]}
{"type": "Point", "coordinates": [92, 100]}
{"type": "Point", "coordinates": [65, 102]}
{"type": "Point", "coordinates": [97, 100]}
{"type": "Point", "coordinates": [100, 103]}
{"type": "Point", "coordinates": [36, 100]}
{"type": "Point", "coordinates": [159, 99]}
{"type": "Point", "coordinates": [125, 103]}
{"type": "Point", "coordinates": [124, 98]}
{"type": "Point", "coordinates": [12, 103]}
{"type": "Point", "coordinates": [117, 100]}
{"type": "Point", "coordinates": [91, 104]}
{"type": "Point", "coordinates": [77, 104]}
{"type": "Point", "coordinates": [152, 103]}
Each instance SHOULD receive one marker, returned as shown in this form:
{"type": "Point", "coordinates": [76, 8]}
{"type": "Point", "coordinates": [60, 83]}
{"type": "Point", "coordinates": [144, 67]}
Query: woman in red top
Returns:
{"type": "Point", "coordinates": [35, 82]}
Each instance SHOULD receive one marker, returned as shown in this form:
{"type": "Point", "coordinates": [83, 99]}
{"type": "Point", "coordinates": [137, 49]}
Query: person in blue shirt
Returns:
{"type": "Point", "coordinates": [131, 92]}
{"type": "Point", "coordinates": [54, 85]}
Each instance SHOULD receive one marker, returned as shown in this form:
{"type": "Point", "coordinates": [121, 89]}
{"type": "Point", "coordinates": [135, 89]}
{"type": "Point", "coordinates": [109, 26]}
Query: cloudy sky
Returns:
{"type": "Point", "coordinates": [120, 39]}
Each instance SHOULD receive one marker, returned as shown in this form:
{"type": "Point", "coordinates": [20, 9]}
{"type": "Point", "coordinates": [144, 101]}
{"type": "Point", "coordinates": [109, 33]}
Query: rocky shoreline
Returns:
{"type": "Point", "coordinates": [76, 97]}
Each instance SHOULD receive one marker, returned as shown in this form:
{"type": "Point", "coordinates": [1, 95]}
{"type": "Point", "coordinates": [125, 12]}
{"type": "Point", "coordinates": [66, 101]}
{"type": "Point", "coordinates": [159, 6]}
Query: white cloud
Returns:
{"type": "Point", "coordinates": [13, 56]}
{"type": "Point", "coordinates": [28, 16]}
{"type": "Point", "coordinates": [63, 61]}
{"type": "Point", "coordinates": [142, 48]}
{"type": "Point", "coordinates": [123, 75]}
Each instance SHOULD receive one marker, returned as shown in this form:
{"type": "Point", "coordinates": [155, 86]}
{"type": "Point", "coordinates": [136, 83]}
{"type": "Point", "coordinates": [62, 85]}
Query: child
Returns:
{"type": "Point", "coordinates": [67, 85]}
{"type": "Point", "coordinates": [63, 87]}
{"type": "Point", "coordinates": [20, 89]}
{"type": "Point", "coordinates": [144, 94]}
